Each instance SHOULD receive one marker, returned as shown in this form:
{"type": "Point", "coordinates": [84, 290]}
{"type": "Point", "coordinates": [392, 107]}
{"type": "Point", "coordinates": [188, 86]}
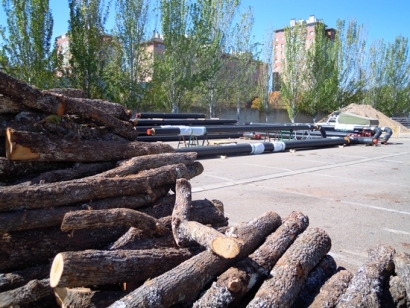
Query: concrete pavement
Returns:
{"type": "Point", "coordinates": [360, 195]}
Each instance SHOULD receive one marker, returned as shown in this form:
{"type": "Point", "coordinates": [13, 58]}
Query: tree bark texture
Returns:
{"type": "Point", "coordinates": [238, 280]}
{"type": "Point", "coordinates": [189, 232]}
{"type": "Point", "coordinates": [135, 239]}
{"type": "Point", "coordinates": [13, 280]}
{"type": "Point", "coordinates": [366, 286]}
{"type": "Point", "coordinates": [71, 92]}
{"type": "Point", "coordinates": [87, 298]}
{"type": "Point", "coordinates": [10, 106]}
{"type": "Point", "coordinates": [98, 267]}
{"type": "Point", "coordinates": [394, 294]}
{"type": "Point", "coordinates": [402, 268]}
{"type": "Point", "coordinates": [314, 281]}
{"type": "Point", "coordinates": [22, 249]}
{"type": "Point", "coordinates": [332, 289]}
{"type": "Point", "coordinates": [291, 270]}
{"type": "Point", "coordinates": [5, 120]}
{"type": "Point", "coordinates": [32, 291]}
{"type": "Point", "coordinates": [182, 284]}
{"type": "Point", "coordinates": [42, 218]}
{"type": "Point", "coordinates": [20, 197]}
{"type": "Point", "coordinates": [10, 171]}
{"type": "Point", "coordinates": [32, 146]}
{"type": "Point", "coordinates": [110, 218]}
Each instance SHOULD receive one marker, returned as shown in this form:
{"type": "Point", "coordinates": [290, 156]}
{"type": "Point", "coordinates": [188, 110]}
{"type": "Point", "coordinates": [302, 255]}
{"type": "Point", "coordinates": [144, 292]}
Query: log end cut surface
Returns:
{"type": "Point", "coordinates": [56, 271]}
{"type": "Point", "coordinates": [225, 247]}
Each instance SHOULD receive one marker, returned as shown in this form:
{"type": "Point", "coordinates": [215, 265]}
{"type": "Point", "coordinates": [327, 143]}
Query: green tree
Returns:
{"type": "Point", "coordinates": [89, 47]}
{"type": "Point", "coordinates": [322, 73]}
{"type": "Point", "coordinates": [293, 77]}
{"type": "Point", "coordinates": [350, 43]}
{"type": "Point", "coordinates": [27, 52]}
{"type": "Point", "coordinates": [131, 65]}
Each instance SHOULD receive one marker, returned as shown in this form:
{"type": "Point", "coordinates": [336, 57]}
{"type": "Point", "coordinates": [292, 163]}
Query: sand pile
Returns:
{"type": "Point", "coordinates": [369, 112]}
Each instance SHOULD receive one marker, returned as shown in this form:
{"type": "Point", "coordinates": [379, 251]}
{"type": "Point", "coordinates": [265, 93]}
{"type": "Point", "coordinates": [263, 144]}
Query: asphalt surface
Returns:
{"type": "Point", "coordinates": [360, 195]}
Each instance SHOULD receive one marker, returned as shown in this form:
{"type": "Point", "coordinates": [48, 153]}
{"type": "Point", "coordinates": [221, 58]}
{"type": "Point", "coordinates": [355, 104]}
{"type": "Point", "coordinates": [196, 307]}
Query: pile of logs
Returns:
{"type": "Point", "coordinates": [90, 217]}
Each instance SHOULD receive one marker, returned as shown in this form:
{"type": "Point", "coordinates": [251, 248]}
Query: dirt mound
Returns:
{"type": "Point", "coordinates": [369, 112]}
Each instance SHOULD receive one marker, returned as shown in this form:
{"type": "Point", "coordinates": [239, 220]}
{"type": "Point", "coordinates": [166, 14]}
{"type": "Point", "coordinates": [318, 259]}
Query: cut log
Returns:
{"type": "Point", "coordinates": [12, 170]}
{"type": "Point", "coordinates": [98, 267]}
{"type": "Point", "coordinates": [71, 92]}
{"type": "Point", "coordinates": [146, 162]}
{"type": "Point", "coordinates": [233, 284]}
{"type": "Point", "coordinates": [10, 106]}
{"type": "Point", "coordinates": [33, 98]}
{"type": "Point", "coordinates": [13, 280]}
{"type": "Point", "coordinates": [21, 145]}
{"type": "Point", "coordinates": [332, 290]}
{"type": "Point", "coordinates": [290, 272]}
{"type": "Point", "coordinates": [79, 170]}
{"type": "Point", "coordinates": [135, 239]}
{"type": "Point", "coordinates": [394, 294]}
{"type": "Point", "coordinates": [314, 281]}
{"type": "Point", "coordinates": [22, 249]}
{"type": "Point", "coordinates": [86, 298]}
{"type": "Point", "coordinates": [114, 217]}
{"type": "Point", "coordinates": [183, 283]}
{"type": "Point", "coordinates": [188, 232]}
{"type": "Point", "coordinates": [20, 197]}
{"type": "Point", "coordinates": [32, 291]}
{"type": "Point", "coordinates": [366, 286]}
{"type": "Point", "coordinates": [5, 120]}
{"type": "Point", "coordinates": [42, 218]}
{"type": "Point", "coordinates": [402, 268]}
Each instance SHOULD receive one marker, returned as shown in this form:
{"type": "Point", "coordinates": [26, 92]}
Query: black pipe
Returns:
{"type": "Point", "coordinates": [186, 122]}
{"type": "Point", "coordinates": [159, 115]}
{"type": "Point", "coordinates": [388, 134]}
{"type": "Point", "coordinates": [177, 138]}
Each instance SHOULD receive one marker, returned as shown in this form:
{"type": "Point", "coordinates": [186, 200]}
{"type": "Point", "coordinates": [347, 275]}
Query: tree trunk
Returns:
{"type": "Point", "coordinates": [402, 268]}
{"type": "Point", "coordinates": [110, 218]}
{"type": "Point", "coordinates": [22, 249]}
{"type": "Point", "coordinates": [98, 267]}
{"type": "Point", "coordinates": [21, 145]}
{"type": "Point", "coordinates": [135, 239]}
{"type": "Point", "coordinates": [365, 287]}
{"type": "Point", "coordinates": [10, 106]}
{"type": "Point", "coordinates": [290, 272]}
{"type": "Point", "coordinates": [332, 289]}
{"type": "Point", "coordinates": [12, 170]}
{"type": "Point", "coordinates": [188, 232]}
{"type": "Point", "coordinates": [32, 291]}
{"type": "Point", "coordinates": [17, 279]}
{"type": "Point", "coordinates": [314, 281]}
{"type": "Point", "coordinates": [183, 283]}
{"type": "Point", "coordinates": [232, 285]}
{"type": "Point", "coordinates": [146, 162]}
{"type": "Point", "coordinates": [42, 218]}
{"type": "Point", "coordinates": [94, 187]}
{"type": "Point", "coordinates": [86, 298]}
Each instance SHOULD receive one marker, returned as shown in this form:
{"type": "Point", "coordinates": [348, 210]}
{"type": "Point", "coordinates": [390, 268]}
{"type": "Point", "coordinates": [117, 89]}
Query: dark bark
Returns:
{"type": "Point", "coordinates": [13, 280]}
{"type": "Point", "coordinates": [10, 106]}
{"type": "Point", "coordinates": [110, 218]}
{"type": "Point", "coordinates": [135, 239]}
{"type": "Point", "coordinates": [95, 187]}
{"type": "Point", "coordinates": [98, 267]}
{"type": "Point", "coordinates": [188, 232]}
{"type": "Point", "coordinates": [402, 268]}
{"type": "Point", "coordinates": [292, 269]}
{"type": "Point", "coordinates": [22, 249]}
{"type": "Point", "coordinates": [332, 290]}
{"type": "Point", "coordinates": [366, 286]}
{"type": "Point", "coordinates": [233, 284]}
{"type": "Point", "coordinates": [31, 146]}
{"type": "Point", "coordinates": [32, 291]}
{"type": "Point", "coordinates": [314, 281]}
{"type": "Point", "coordinates": [183, 283]}
{"type": "Point", "coordinates": [10, 171]}
{"type": "Point", "coordinates": [5, 121]}
{"type": "Point", "coordinates": [71, 92]}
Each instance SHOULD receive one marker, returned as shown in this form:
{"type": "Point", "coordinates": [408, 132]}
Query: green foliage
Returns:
{"type": "Point", "coordinates": [27, 53]}
{"type": "Point", "coordinates": [89, 47]}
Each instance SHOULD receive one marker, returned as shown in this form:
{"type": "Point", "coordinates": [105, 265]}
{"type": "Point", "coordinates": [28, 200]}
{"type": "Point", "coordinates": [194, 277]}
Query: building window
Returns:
{"type": "Point", "coordinates": [312, 33]}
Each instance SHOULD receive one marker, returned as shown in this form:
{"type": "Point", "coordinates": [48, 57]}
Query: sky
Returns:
{"type": "Point", "coordinates": [382, 19]}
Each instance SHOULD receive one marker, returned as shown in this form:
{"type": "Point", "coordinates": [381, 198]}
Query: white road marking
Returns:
{"type": "Point", "coordinates": [396, 231]}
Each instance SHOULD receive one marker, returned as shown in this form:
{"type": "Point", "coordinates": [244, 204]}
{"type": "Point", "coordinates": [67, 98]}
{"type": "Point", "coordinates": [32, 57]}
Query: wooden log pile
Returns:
{"type": "Point", "coordinates": [89, 217]}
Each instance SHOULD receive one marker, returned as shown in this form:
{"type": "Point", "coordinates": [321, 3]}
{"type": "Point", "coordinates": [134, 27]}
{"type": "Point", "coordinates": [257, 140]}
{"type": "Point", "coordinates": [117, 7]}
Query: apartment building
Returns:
{"type": "Point", "coordinates": [280, 43]}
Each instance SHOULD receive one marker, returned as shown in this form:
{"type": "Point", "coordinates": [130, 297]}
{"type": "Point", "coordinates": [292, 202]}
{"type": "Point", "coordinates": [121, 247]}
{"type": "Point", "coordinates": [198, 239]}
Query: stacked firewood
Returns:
{"type": "Point", "coordinates": [89, 217]}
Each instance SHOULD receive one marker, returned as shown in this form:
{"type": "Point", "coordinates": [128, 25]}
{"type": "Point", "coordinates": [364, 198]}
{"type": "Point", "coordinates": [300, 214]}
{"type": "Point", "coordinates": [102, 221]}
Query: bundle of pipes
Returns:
{"type": "Point", "coordinates": [160, 115]}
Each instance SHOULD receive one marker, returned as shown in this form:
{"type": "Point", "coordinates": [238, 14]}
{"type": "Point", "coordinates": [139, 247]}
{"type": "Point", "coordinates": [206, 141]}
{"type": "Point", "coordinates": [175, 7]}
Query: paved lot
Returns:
{"type": "Point", "coordinates": [360, 195]}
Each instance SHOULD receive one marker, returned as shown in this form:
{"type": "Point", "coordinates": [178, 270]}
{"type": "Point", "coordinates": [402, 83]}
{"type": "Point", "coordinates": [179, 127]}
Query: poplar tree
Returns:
{"type": "Point", "coordinates": [89, 47]}
{"type": "Point", "coordinates": [27, 48]}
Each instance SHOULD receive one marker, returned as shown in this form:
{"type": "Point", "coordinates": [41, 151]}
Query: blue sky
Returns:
{"type": "Point", "coordinates": [382, 18]}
